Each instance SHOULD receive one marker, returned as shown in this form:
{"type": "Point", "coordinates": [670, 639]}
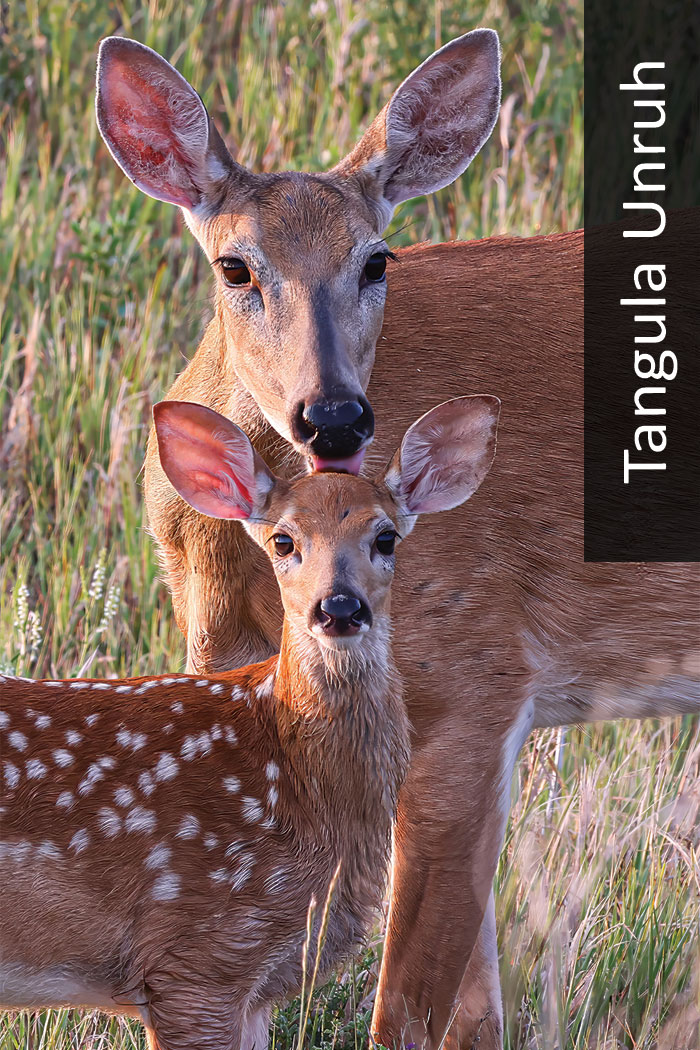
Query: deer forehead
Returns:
{"type": "Point", "coordinates": [335, 508]}
{"type": "Point", "coordinates": [303, 227]}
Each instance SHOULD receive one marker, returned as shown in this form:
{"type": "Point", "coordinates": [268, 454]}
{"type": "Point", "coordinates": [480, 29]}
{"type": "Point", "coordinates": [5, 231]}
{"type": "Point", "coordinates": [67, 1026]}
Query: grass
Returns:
{"type": "Point", "coordinates": [102, 301]}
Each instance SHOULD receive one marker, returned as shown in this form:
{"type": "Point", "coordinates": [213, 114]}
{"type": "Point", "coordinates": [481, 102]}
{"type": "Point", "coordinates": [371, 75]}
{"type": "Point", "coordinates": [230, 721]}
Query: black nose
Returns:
{"type": "Point", "coordinates": [334, 429]}
{"type": "Point", "coordinates": [342, 614]}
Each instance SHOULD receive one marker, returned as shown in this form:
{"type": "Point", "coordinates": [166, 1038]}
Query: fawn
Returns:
{"type": "Point", "coordinates": [163, 837]}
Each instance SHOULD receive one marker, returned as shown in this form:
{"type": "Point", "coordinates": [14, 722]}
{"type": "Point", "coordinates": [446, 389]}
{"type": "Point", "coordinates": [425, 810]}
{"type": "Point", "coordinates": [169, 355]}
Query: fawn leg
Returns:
{"type": "Point", "coordinates": [187, 1018]}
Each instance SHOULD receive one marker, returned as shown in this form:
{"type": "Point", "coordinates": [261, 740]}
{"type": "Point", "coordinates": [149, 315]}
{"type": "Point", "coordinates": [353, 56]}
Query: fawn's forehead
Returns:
{"type": "Point", "coordinates": [336, 505]}
{"type": "Point", "coordinates": [303, 225]}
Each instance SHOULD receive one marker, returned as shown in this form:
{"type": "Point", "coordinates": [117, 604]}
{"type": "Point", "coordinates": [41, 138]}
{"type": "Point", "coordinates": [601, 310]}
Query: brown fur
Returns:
{"type": "Point", "coordinates": [503, 625]}
{"type": "Point", "coordinates": [505, 603]}
{"type": "Point", "coordinates": [198, 927]}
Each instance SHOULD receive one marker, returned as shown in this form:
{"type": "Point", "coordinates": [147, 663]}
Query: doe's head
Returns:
{"type": "Point", "coordinates": [331, 536]}
{"type": "Point", "coordinates": [299, 258]}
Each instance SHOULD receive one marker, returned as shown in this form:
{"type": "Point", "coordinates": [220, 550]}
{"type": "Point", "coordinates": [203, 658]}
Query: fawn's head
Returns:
{"type": "Point", "coordinates": [299, 258]}
{"type": "Point", "coordinates": [330, 536]}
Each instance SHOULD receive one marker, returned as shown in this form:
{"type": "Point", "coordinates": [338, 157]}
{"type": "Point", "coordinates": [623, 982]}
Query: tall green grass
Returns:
{"type": "Point", "coordinates": [102, 300]}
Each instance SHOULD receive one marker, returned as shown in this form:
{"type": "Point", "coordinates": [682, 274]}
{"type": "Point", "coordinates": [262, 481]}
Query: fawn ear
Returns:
{"type": "Point", "coordinates": [210, 461]}
{"type": "Point", "coordinates": [432, 127]}
{"type": "Point", "coordinates": [445, 455]}
{"type": "Point", "coordinates": [157, 129]}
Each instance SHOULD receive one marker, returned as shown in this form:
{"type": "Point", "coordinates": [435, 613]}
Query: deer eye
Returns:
{"type": "Point", "coordinates": [375, 267]}
{"type": "Point", "coordinates": [386, 542]}
{"type": "Point", "coordinates": [284, 544]}
{"type": "Point", "coordinates": [235, 272]}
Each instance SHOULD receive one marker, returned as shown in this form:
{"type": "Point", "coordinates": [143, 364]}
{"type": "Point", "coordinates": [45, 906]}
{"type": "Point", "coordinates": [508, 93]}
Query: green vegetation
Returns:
{"type": "Point", "coordinates": [102, 301]}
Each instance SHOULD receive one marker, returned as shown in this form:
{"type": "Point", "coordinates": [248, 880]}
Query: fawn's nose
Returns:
{"type": "Point", "coordinates": [341, 615]}
{"type": "Point", "coordinates": [334, 430]}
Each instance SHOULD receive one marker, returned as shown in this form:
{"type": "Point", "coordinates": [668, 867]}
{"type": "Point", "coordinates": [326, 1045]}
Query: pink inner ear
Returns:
{"type": "Point", "coordinates": [137, 122]}
{"type": "Point", "coordinates": [207, 459]}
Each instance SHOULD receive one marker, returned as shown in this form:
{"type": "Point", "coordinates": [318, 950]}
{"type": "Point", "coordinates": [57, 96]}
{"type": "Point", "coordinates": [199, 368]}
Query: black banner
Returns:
{"type": "Point", "coordinates": [642, 281]}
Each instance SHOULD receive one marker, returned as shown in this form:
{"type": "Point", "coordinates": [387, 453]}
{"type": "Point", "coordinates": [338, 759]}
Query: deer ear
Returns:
{"type": "Point", "coordinates": [210, 462]}
{"type": "Point", "coordinates": [157, 129]}
{"type": "Point", "coordinates": [445, 455]}
{"type": "Point", "coordinates": [432, 127]}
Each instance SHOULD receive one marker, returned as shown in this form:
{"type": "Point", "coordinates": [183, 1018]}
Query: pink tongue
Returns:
{"type": "Point", "coordinates": [351, 465]}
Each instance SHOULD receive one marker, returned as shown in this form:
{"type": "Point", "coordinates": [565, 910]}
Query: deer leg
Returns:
{"type": "Point", "coordinates": [478, 1016]}
{"type": "Point", "coordinates": [439, 970]}
{"type": "Point", "coordinates": [189, 1018]}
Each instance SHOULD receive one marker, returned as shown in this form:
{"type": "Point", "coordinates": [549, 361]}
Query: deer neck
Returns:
{"type": "Point", "coordinates": [342, 724]}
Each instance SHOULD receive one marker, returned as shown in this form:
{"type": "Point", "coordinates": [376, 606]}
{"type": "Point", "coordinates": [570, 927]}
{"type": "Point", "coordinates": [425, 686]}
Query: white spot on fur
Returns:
{"type": "Point", "coordinates": [245, 870]}
{"type": "Point", "coordinates": [272, 770]}
{"type": "Point", "coordinates": [264, 690]}
{"type": "Point", "coordinates": [80, 841]}
{"type": "Point", "coordinates": [272, 796]}
{"type": "Point", "coordinates": [167, 767]}
{"type": "Point", "coordinates": [102, 687]}
{"type": "Point", "coordinates": [49, 850]}
{"type": "Point", "coordinates": [237, 693]}
{"type": "Point", "coordinates": [276, 881]}
{"type": "Point", "coordinates": [166, 887]}
{"type": "Point", "coordinates": [65, 800]}
{"type": "Point", "coordinates": [124, 796]}
{"type": "Point", "coordinates": [158, 857]}
{"type": "Point", "coordinates": [73, 737]}
{"type": "Point", "coordinates": [109, 821]}
{"type": "Point", "coordinates": [177, 708]}
{"type": "Point", "coordinates": [90, 720]}
{"type": "Point", "coordinates": [35, 769]}
{"type": "Point", "coordinates": [17, 851]}
{"type": "Point", "coordinates": [17, 740]}
{"type": "Point", "coordinates": [53, 685]}
{"type": "Point", "coordinates": [63, 758]}
{"type": "Point", "coordinates": [193, 746]}
{"type": "Point", "coordinates": [12, 775]}
{"type": "Point", "coordinates": [220, 875]}
{"type": "Point", "coordinates": [79, 685]}
{"type": "Point", "coordinates": [146, 784]}
{"type": "Point", "coordinates": [168, 728]}
{"type": "Point", "coordinates": [42, 721]}
{"type": "Point", "coordinates": [216, 689]}
{"type": "Point", "coordinates": [140, 819]}
{"type": "Point", "coordinates": [232, 784]}
{"type": "Point", "coordinates": [151, 684]}
{"type": "Point", "coordinates": [4, 720]}
{"type": "Point", "coordinates": [211, 841]}
{"type": "Point", "coordinates": [230, 736]}
{"type": "Point", "coordinates": [169, 681]}
{"type": "Point", "coordinates": [202, 682]}
{"type": "Point", "coordinates": [251, 809]}
{"type": "Point", "coordinates": [215, 732]}
{"type": "Point", "coordinates": [189, 827]}
{"type": "Point", "coordinates": [136, 741]}
{"type": "Point", "coordinates": [124, 689]}
{"type": "Point", "coordinates": [93, 776]}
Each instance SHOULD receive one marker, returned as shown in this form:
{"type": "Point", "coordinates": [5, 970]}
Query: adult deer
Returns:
{"type": "Point", "coordinates": [529, 634]}
{"type": "Point", "coordinates": [191, 831]}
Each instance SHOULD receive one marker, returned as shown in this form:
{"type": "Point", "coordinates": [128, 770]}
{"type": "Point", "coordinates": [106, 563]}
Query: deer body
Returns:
{"type": "Point", "coordinates": [168, 835]}
{"type": "Point", "coordinates": [531, 634]}
{"type": "Point", "coordinates": [163, 838]}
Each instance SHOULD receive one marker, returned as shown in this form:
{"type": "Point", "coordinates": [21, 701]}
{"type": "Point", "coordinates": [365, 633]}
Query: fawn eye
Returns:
{"type": "Point", "coordinates": [284, 544]}
{"type": "Point", "coordinates": [235, 272]}
{"type": "Point", "coordinates": [385, 542]}
{"type": "Point", "coordinates": [375, 267]}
